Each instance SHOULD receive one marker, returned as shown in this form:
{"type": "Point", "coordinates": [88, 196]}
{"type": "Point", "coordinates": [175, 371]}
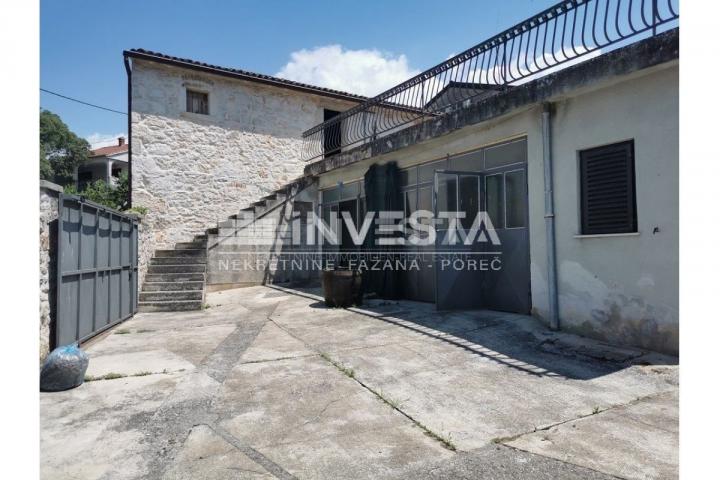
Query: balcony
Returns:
{"type": "Point", "coordinates": [564, 34]}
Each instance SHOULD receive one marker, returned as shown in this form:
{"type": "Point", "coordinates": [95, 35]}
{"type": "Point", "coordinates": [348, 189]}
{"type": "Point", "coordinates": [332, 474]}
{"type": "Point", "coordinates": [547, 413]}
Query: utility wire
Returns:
{"type": "Point", "coordinates": [80, 101]}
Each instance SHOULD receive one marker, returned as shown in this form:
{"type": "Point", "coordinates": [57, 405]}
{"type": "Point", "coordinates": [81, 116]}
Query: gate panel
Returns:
{"type": "Point", "coordinates": [97, 269]}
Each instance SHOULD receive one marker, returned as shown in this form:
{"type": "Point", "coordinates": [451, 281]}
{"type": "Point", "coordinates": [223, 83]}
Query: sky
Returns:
{"type": "Point", "coordinates": [361, 47]}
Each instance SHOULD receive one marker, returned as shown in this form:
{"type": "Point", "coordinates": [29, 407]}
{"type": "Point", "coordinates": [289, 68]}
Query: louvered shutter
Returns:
{"type": "Point", "coordinates": [607, 184]}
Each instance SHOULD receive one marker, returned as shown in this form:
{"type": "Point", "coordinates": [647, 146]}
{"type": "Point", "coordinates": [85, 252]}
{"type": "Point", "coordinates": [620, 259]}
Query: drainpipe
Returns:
{"type": "Point", "coordinates": [129, 127]}
{"type": "Point", "coordinates": [550, 218]}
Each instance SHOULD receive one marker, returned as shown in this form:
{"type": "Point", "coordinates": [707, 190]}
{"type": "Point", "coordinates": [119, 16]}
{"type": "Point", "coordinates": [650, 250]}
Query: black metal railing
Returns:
{"type": "Point", "coordinates": [565, 33]}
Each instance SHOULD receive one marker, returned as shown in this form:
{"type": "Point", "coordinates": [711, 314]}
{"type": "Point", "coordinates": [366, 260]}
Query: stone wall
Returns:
{"type": "Point", "coordinates": [191, 170]}
{"type": "Point", "coordinates": [258, 249]}
{"type": "Point", "coordinates": [146, 245]}
{"type": "Point", "coordinates": [48, 225]}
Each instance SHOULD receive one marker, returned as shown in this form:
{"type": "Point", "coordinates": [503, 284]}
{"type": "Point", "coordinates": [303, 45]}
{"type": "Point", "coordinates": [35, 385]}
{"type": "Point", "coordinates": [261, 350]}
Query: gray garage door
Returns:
{"type": "Point", "coordinates": [492, 179]}
{"type": "Point", "coordinates": [96, 269]}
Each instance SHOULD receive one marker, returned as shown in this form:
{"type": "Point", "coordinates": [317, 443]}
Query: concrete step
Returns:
{"type": "Point", "coordinates": [193, 260]}
{"type": "Point", "coordinates": [188, 252]}
{"type": "Point", "coordinates": [174, 277]}
{"type": "Point", "coordinates": [170, 306]}
{"type": "Point", "coordinates": [191, 268]}
{"type": "Point", "coordinates": [172, 286]}
{"type": "Point", "coordinates": [171, 295]}
{"type": "Point", "coordinates": [190, 245]}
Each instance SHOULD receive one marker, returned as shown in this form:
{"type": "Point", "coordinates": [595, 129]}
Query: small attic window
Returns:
{"type": "Point", "coordinates": [197, 102]}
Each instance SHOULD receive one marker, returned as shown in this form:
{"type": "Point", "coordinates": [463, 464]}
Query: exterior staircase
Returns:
{"type": "Point", "coordinates": [175, 279]}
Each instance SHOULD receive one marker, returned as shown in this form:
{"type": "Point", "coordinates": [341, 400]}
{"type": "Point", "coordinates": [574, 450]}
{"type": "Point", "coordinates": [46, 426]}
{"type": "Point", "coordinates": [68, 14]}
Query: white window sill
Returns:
{"type": "Point", "coordinates": [608, 235]}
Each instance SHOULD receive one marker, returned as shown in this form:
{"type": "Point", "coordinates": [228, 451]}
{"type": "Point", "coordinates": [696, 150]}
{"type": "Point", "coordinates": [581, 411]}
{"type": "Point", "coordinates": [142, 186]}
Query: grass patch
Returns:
{"type": "Point", "coordinates": [346, 370]}
{"type": "Point", "coordinates": [122, 331]}
{"type": "Point", "coordinates": [107, 376]}
{"type": "Point", "coordinates": [144, 330]}
{"type": "Point", "coordinates": [206, 306]}
{"type": "Point", "coordinates": [596, 410]}
{"type": "Point", "coordinates": [113, 376]}
{"type": "Point", "coordinates": [446, 441]}
{"type": "Point", "coordinates": [389, 400]}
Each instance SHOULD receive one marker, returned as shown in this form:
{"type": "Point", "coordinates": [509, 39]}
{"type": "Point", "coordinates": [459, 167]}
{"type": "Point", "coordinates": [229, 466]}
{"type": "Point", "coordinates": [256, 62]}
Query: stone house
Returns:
{"type": "Point", "coordinates": [577, 168]}
{"type": "Point", "coordinates": [208, 140]}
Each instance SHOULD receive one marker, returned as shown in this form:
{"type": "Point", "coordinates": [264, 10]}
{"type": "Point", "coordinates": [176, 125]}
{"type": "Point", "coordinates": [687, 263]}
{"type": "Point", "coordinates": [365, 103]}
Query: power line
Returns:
{"type": "Point", "coordinates": [80, 101]}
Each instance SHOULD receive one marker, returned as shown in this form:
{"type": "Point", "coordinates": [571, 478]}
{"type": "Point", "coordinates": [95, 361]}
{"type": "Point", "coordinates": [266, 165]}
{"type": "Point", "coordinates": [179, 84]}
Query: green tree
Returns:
{"type": "Point", "coordinates": [61, 151]}
{"type": "Point", "coordinates": [100, 192]}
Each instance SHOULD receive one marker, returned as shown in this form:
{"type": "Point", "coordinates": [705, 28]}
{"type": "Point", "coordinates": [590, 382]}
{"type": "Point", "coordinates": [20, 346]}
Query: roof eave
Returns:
{"type": "Point", "coordinates": [240, 76]}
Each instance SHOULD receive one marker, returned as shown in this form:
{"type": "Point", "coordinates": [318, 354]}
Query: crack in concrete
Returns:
{"type": "Point", "coordinates": [445, 442]}
{"type": "Point", "coordinates": [564, 462]}
{"type": "Point", "coordinates": [323, 410]}
{"type": "Point", "coordinates": [169, 427]}
{"type": "Point", "coordinates": [277, 359]}
{"type": "Point", "coordinates": [598, 411]}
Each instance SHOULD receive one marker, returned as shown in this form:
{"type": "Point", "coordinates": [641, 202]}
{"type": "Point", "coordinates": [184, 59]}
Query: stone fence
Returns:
{"type": "Point", "coordinates": [49, 193]}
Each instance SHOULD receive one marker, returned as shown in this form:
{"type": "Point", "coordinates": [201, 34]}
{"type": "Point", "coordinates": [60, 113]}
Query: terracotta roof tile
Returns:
{"type": "Point", "coordinates": [111, 150]}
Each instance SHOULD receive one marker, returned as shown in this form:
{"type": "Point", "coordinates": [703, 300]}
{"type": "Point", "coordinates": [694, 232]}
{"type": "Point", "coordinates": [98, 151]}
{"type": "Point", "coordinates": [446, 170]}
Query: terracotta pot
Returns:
{"type": "Point", "coordinates": [342, 288]}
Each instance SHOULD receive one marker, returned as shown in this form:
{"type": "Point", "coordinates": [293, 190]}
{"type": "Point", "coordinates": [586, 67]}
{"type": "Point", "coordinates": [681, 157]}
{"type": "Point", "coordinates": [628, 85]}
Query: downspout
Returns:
{"type": "Point", "coordinates": [550, 217]}
{"type": "Point", "coordinates": [129, 127]}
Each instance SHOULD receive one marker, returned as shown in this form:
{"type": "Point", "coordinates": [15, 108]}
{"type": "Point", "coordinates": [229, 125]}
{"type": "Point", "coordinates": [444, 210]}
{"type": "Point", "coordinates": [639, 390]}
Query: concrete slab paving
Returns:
{"type": "Point", "coordinates": [137, 363]}
{"type": "Point", "coordinates": [192, 342]}
{"type": "Point", "coordinates": [384, 453]}
{"type": "Point", "coordinates": [273, 343]}
{"type": "Point", "coordinates": [268, 383]}
{"type": "Point", "coordinates": [86, 432]}
{"type": "Point", "coordinates": [502, 463]}
{"type": "Point", "coordinates": [206, 455]}
{"type": "Point", "coordinates": [269, 407]}
{"type": "Point", "coordinates": [632, 441]}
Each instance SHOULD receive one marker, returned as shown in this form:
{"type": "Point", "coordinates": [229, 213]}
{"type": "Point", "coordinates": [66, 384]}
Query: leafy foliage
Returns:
{"type": "Point", "coordinates": [139, 210]}
{"type": "Point", "coordinates": [61, 151]}
{"type": "Point", "coordinates": [100, 192]}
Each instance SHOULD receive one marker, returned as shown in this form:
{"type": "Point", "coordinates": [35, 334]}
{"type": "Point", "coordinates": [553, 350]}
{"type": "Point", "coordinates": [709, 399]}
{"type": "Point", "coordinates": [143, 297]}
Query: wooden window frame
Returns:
{"type": "Point", "coordinates": [189, 93]}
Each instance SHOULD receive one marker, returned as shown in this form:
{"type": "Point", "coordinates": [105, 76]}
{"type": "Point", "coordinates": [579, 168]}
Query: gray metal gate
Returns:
{"type": "Point", "coordinates": [96, 269]}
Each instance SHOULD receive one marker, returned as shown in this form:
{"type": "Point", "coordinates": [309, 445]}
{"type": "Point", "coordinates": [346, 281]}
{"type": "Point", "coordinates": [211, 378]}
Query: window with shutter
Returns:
{"type": "Point", "coordinates": [197, 102]}
{"type": "Point", "coordinates": [607, 189]}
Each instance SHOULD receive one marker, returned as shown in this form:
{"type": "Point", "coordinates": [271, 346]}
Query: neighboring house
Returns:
{"type": "Point", "coordinates": [105, 163]}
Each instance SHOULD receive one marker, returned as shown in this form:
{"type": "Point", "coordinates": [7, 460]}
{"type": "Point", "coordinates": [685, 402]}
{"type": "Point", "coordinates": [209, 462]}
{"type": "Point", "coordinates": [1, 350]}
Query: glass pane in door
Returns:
{"type": "Point", "coordinates": [515, 201]}
{"type": "Point", "coordinates": [468, 198]}
{"type": "Point", "coordinates": [446, 196]}
{"type": "Point", "coordinates": [494, 200]}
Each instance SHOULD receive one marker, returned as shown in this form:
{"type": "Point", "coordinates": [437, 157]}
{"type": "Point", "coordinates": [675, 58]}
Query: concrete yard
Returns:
{"type": "Point", "coordinates": [268, 383]}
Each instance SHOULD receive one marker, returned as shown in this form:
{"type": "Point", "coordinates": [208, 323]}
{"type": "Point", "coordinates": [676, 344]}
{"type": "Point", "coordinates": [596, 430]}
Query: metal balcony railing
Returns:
{"type": "Point", "coordinates": [561, 35]}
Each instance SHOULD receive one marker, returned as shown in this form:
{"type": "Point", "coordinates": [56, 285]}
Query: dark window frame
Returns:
{"type": "Point", "coordinates": [614, 209]}
{"type": "Point", "coordinates": [202, 106]}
